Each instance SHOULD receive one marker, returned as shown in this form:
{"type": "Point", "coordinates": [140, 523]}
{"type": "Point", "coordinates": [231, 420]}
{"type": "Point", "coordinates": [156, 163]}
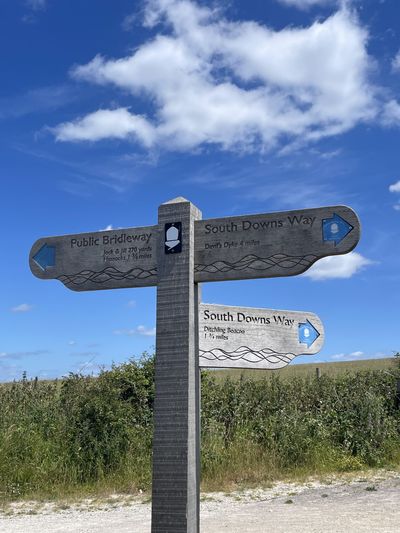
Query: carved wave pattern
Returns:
{"type": "Point", "coordinates": [103, 276]}
{"type": "Point", "coordinates": [244, 353]}
{"type": "Point", "coordinates": [253, 262]}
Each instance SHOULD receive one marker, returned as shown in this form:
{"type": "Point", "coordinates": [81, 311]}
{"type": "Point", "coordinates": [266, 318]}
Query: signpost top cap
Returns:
{"type": "Point", "coordinates": [178, 200]}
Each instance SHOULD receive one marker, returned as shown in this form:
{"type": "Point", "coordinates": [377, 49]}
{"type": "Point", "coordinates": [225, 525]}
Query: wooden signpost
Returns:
{"type": "Point", "coordinates": [242, 337]}
{"type": "Point", "coordinates": [176, 255]}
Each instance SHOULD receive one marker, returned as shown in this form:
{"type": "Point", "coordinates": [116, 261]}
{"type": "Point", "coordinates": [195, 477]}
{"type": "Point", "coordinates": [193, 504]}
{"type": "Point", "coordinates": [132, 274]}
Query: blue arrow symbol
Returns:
{"type": "Point", "coordinates": [45, 257]}
{"type": "Point", "coordinates": [307, 333]}
{"type": "Point", "coordinates": [335, 229]}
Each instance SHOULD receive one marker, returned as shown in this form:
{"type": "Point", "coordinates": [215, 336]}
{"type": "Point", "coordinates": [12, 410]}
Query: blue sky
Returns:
{"type": "Point", "coordinates": [108, 109]}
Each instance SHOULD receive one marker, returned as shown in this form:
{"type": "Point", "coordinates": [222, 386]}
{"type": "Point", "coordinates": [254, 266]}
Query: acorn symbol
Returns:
{"type": "Point", "coordinates": [172, 239]}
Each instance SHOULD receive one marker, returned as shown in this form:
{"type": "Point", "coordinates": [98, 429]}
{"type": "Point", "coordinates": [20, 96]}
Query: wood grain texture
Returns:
{"type": "Point", "coordinates": [272, 244]}
{"type": "Point", "coordinates": [175, 502]}
{"type": "Point", "coordinates": [245, 247]}
{"type": "Point", "coordinates": [101, 260]}
{"type": "Point", "coordinates": [246, 337]}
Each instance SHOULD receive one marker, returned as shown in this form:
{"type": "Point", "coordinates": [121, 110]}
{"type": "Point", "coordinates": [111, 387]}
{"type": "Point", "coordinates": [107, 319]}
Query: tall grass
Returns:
{"type": "Point", "coordinates": [84, 434]}
{"type": "Point", "coordinates": [257, 430]}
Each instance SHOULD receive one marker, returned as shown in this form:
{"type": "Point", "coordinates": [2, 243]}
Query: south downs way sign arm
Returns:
{"type": "Point", "coordinates": [101, 260]}
{"type": "Point", "coordinates": [273, 244]}
{"type": "Point", "coordinates": [246, 337]}
{"type": "Point", "coordinates": [254, 246]}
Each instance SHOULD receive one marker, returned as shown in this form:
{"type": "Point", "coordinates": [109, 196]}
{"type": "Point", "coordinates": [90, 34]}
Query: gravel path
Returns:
{"type": "Point", "coordinates": [369, 504]}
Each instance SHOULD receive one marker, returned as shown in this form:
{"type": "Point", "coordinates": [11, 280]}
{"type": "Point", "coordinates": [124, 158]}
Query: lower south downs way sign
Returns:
{"type": "Point", "coordinates": [240, 337]}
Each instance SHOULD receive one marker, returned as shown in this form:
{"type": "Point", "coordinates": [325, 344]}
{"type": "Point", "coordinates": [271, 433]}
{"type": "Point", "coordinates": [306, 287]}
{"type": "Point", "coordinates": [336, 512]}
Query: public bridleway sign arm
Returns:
{"type": "Point", "coordinates": [102, 260]}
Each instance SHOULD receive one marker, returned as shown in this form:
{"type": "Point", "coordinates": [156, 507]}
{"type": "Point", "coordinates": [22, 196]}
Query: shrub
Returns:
{"type": "Point", "coordinates": [97, 431]}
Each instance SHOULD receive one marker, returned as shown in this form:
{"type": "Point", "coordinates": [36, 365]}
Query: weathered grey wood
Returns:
{"type": "Point", "coordinates": [254, 246]}
{"type": "Point", "coordinates": [272, 244]}
{"type": "Point", "coordinates": [101, 260]}
{"type": "Point", "coordinates": [175, 502]}
{"type": "Point", "coordinates": [246, 337]}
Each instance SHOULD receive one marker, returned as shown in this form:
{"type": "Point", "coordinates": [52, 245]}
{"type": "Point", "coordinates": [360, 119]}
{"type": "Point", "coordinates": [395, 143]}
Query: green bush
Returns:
{"type": "Point", "coordinates": [82, 430]}
{"type": "Point", "coordinates": [96, 432]}
{"type": "Point", "coordinates": [301, 424]}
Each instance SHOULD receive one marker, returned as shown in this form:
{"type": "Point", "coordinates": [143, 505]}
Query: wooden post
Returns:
{"type": "Point", "coordinates": [317, 373]}
{"type": "Point", "coordinates": [176, 453]}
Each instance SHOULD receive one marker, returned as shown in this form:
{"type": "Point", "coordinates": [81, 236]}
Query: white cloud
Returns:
{"type": "Point", "coordinates": [237, 85]}
{"type": "Point", "coordinates": [36, 5]}
{"type": "Point", "coordinates": [129, 21]}
{"type": "Point", "coordinates": [347, 356]}
{"type": "Point", "coordinates": [395, 187]}
{"type": "Point", "coordinates": [107, 228]}
{"type": "Point", "coordinates": [357, 355]}
{"type": "Point", "coordinates": [391, 113]}
{"type": "Point", "coordinates": [41, 100]}
{"type": "Point", "coordinates": [148, 332]}
{"type": "Point", "coordinates": [106, 124]}
{"type": "Point", "coordinates": [22, 308]}
{"type": "Point", "coordinates": [338, 266]}
{"type": "Point", "coordinates": [139, 330]}
{"type": "Point", "coordinates": [306, 4]}
{"type": "Point", "coordinates": [93, 355]}
{"type": "Point", "coordinates": [337, 356]}
{"type": "Point", "coordinates": [131, 303]}
{"type": "Point", "coordinates": [396, 62]}
{"type": "Point", "coordinates": [20, 355]}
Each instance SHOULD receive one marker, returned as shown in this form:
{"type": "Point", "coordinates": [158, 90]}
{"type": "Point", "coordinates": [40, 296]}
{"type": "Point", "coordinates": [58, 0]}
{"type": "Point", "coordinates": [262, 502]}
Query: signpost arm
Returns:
{"type": "Point", "coordinates": [175, 502]}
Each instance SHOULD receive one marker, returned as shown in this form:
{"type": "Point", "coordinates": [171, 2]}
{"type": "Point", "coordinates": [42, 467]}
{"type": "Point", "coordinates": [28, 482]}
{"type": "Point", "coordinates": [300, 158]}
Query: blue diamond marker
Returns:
{"type": "Point", "coordinates": [307, 333]}
{"type": "Point", "coordinates": [45, 257]}
{"type": "Point", "coordinates": [335, 229]}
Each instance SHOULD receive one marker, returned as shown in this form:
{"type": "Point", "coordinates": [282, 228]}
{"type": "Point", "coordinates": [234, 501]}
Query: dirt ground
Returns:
{"type": "Point", "coordinates": [368, 503]}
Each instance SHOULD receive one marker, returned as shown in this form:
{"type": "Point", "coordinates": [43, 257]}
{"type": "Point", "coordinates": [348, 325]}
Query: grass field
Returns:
{"type": "Point", "coordinates": [309, 369]}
